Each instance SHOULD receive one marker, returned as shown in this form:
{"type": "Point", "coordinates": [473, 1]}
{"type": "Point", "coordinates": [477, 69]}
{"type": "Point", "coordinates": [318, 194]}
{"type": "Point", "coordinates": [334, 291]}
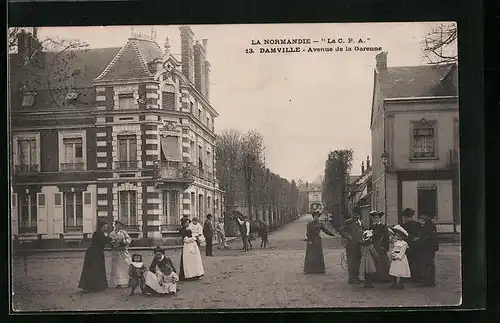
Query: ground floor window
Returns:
{"type": "Point", "coordinates": [171, 212]}
{"type": "Point", "coordinates": [128, 208]}
{"type": "Point", "coordinates": [73, 212]}
{"type": "Point", "coordinates": [427, 202]}
{"type": "Point", "coordinates": [27, 212]}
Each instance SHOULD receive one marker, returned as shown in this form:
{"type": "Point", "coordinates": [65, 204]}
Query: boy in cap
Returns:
{"type": "Point", "coordinates": [352, 231]}
{"type": "Point", "coordinates": [428, 245]}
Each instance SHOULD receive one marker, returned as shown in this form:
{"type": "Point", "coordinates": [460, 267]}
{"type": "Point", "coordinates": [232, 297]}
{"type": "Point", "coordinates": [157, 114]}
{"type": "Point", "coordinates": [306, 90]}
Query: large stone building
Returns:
{"type": "Point", "coordinates": [115, 133]}
{"type": "Point", "coordinates": [415, 120]}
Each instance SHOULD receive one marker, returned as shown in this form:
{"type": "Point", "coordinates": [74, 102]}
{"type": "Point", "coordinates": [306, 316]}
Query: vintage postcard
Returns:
{"type": "Point", "coordinates": [234, 166]}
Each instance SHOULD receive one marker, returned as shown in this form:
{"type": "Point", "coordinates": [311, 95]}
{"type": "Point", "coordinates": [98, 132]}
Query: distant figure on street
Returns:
{"type": "Point", "coordinates": [221, 234]}
{"type": "Point", "coordinates": [314, 262]}
{"type": "Point", "coordinates": [427, 247]}
{"type": "Point", "coordinates": [263, 233]}
{"type": "Point", "coordinates": [120, 258]}
{"type": "Point", "coordinates": [399, 262]}
{"type": "Point", "coordinates": [244, 228]}
{"type": "Point", "coordinates": [93, 277]}
{"type": "Point", "coordinates": [191, 267]}
{"type": "Point", "coordinates": [413, 228]}
{"type": "Point", "coordinates": [352, 231]}
{"type": "Point", "coordinates": [381, 243]}
{"type": "Point", "coordinates": [208, 233]}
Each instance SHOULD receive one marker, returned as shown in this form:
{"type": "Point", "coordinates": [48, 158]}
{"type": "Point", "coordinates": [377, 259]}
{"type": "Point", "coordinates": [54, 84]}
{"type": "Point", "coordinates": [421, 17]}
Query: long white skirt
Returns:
{"type": "Point", "coordinates": [162, 284]}
{"type": "Point", "coordinates": [120, 262]}
{"type": "Point", "coordinates": [400, 268]}
{"type": "Point", "coordinates": [191, 260]}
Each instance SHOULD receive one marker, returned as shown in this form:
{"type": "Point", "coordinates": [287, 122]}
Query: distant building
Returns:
{"type": "Point", "coordinates": [360, 192]}
{"type": "Point", "coordinates": [310, 195]}
{"type": "Point", "coordinates": [128, 134]}
{"type": "Point", "coordinates": [415, 120]}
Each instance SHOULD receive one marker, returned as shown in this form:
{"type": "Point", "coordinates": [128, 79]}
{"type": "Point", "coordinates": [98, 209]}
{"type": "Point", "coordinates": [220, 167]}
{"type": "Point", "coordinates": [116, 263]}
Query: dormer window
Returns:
{"type": "Point", "coordinates": [126, 101]}
{"type": "Point", "coordinates": [28, 99]}
{"type": "Point", "coordinates": [71, 97]}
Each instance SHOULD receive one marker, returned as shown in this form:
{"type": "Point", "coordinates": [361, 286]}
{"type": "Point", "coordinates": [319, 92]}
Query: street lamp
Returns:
{"type": "Point", "coordinates": [385, 161]}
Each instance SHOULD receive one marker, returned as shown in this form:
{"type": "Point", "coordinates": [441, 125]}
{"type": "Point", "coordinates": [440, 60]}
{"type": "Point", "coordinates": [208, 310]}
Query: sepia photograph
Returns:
{"type": "Point", "coordinates": [246, 166]}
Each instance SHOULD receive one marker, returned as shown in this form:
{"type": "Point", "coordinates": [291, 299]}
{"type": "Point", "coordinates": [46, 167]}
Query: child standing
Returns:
{"type": "Point", "coordinates": [368, 257]}
{"type": "Point", "coordinates": [399, 262]}
{"type": "Point", "coordinates": [136, 273]}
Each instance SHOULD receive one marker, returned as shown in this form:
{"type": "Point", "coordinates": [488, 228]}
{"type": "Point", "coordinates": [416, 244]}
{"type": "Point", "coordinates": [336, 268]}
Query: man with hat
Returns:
{"type": "Point", "coordinates": [428, 245]}
{"type": "Point", "coordinates": [413, 228]}
{"type": "Point", "coordinates": [352, 232]}
{"type": "Point", "coordinates": [380, 241]}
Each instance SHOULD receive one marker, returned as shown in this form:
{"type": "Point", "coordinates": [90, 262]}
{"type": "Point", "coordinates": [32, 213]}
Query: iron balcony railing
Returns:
{"type": "Point", "coordinates": [27, 229]}
{"type": "Point", "coordinates": [174, 171]}
{"type": "Point", "coordinates": [72, 166]}
{"type": "Point", "coordinates": [26, 168]}
{"type": "Point", "coordinates": [132, 228]}
{"type": "Point", "coordinates": [129, 164]}
{"type": "Point", "coordinates": [454, 158]}
{"type": "Point", "coordinates": [73, 228]}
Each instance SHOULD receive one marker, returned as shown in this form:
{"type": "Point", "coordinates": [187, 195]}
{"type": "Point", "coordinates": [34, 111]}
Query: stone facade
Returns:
{"type": "Point", "coordinates": [142, 150]}
{"type": "Point", "coordinates": [416, 167]}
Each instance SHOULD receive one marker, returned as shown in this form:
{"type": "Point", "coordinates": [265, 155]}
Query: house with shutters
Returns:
{"type": "Point", "coordinates": [415, 121]}
{"type": "Point", "coordinates": [111, 133]}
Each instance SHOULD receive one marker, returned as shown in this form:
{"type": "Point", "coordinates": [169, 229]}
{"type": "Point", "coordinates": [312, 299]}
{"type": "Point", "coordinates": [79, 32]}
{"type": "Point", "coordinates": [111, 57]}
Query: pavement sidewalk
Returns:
{"type": "Point", "coordinates": [172, 247]}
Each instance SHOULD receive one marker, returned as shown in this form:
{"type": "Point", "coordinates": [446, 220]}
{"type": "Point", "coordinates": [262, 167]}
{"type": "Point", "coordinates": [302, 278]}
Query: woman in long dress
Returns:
{"type": "Point", "coordinates": [191, 267]}
{"type": "Point", "coordinates": [121, 260]}
{"type": "Point", "coordinates": [315, 262]}
{"type": "Point", "coordinates": [93, 277]}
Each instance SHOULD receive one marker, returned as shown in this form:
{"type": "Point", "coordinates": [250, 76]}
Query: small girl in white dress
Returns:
{"type": "Point", "coordinates": [399, 262]}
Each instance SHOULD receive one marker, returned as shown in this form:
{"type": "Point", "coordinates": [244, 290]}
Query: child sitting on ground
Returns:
{"type": "Point", "coordinates": [168, 279]}
{"type": "Point", "coordinates": [368, 258]}
{"type": "Point", "coordinates": [400, 267]}
{"type": "Point", "coordinates": [136, 273]}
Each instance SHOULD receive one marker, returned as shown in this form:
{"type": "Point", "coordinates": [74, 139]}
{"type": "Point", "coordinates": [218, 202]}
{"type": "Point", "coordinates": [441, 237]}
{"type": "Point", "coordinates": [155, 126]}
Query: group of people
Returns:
{"type": "Point", "coordinates": [248, 230]}
{"type": "Point", "coordinates": [381, 254]}
{"type": "Point", "coordinates": [129, 270]}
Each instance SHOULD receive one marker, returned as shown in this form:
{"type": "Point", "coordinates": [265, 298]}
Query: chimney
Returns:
{"type": "Point", "coordinates": [362, 168]}
{"type": "Point", "coordinates": [367, 162]}
{"type": "Point", "coordinates": [199, 67]}
{"type": "Point", "coordinates": [187, 52]}
{"type": "Point", "coordinates": [381, 59]}
{"type": "Point", "coordinates": [207, 80]}
{"type": "Point", "coordinates": [27, 45]}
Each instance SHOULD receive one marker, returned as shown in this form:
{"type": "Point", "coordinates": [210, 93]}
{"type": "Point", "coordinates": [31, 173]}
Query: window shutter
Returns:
{"type": "Point", "coordinates": [14, 153]}
{"type": "Point", "coordinates": [41, 213]}
{"type": "Point", "coordinates": [58, 214]}
{"type": "Point", "coordinates": [88, 220]}
{"type": "Point", "coordinates": [14, 220]}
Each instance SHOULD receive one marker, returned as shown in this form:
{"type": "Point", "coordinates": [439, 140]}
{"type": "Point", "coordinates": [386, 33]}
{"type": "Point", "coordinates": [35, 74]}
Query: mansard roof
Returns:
{"type": "Point", "coordinates": [132, 60]}
{"type": "Point", "coordinates": [419, 81]}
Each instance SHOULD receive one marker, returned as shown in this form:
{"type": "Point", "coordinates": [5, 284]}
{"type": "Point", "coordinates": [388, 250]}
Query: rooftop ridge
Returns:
{"type": "Point", "coordinates": [141, 58]}
{"type": "Point", "coordinates": [113, 61]}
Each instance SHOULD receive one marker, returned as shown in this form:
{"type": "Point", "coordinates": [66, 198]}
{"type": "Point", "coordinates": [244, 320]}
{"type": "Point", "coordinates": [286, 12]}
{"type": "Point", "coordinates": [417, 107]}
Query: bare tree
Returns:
{"type": "Point", "coordinates": [251, 162]}
{"type": "Point", "coordinates": [440, 44]}
{"type": "Point", "coordinates": [45, 65]}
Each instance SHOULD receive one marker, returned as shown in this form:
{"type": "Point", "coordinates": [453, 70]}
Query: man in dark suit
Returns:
{"type": "Point", "coordinates": [413, 228]}
{"type": "Point", "coordinates": [352, 232]}
{"type": "Point", "coordinates": [208, 233]}
{"type": "Point", "coordinates": [427, 247]}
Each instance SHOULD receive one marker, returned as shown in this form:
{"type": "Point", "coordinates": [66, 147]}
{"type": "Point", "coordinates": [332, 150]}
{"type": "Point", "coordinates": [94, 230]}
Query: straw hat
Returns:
{"type": "Point", "coordinates": [399, 229]}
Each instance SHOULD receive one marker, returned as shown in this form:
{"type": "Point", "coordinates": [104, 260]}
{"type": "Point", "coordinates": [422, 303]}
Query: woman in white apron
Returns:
{"type": "Point", "coordinates": [191, 267]}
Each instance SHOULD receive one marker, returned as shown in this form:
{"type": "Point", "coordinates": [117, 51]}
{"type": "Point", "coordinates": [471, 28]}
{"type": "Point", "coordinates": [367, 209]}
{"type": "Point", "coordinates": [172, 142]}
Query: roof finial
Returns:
{"type": "Point", "coordinates": [153, 33]}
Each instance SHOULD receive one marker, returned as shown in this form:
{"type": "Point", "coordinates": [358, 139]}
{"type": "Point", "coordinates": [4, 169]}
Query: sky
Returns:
{"type": "Point", "coordinates": [304, 104]}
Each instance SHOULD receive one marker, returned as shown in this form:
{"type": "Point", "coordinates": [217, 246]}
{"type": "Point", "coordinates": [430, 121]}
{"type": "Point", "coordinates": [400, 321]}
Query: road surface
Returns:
{"type": "Point", "coordinates": [262, 278]}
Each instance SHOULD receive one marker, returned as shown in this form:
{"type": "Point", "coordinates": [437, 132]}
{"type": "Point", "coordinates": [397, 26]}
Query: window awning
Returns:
{"type": "Point", "coordinates": [170, 148]}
